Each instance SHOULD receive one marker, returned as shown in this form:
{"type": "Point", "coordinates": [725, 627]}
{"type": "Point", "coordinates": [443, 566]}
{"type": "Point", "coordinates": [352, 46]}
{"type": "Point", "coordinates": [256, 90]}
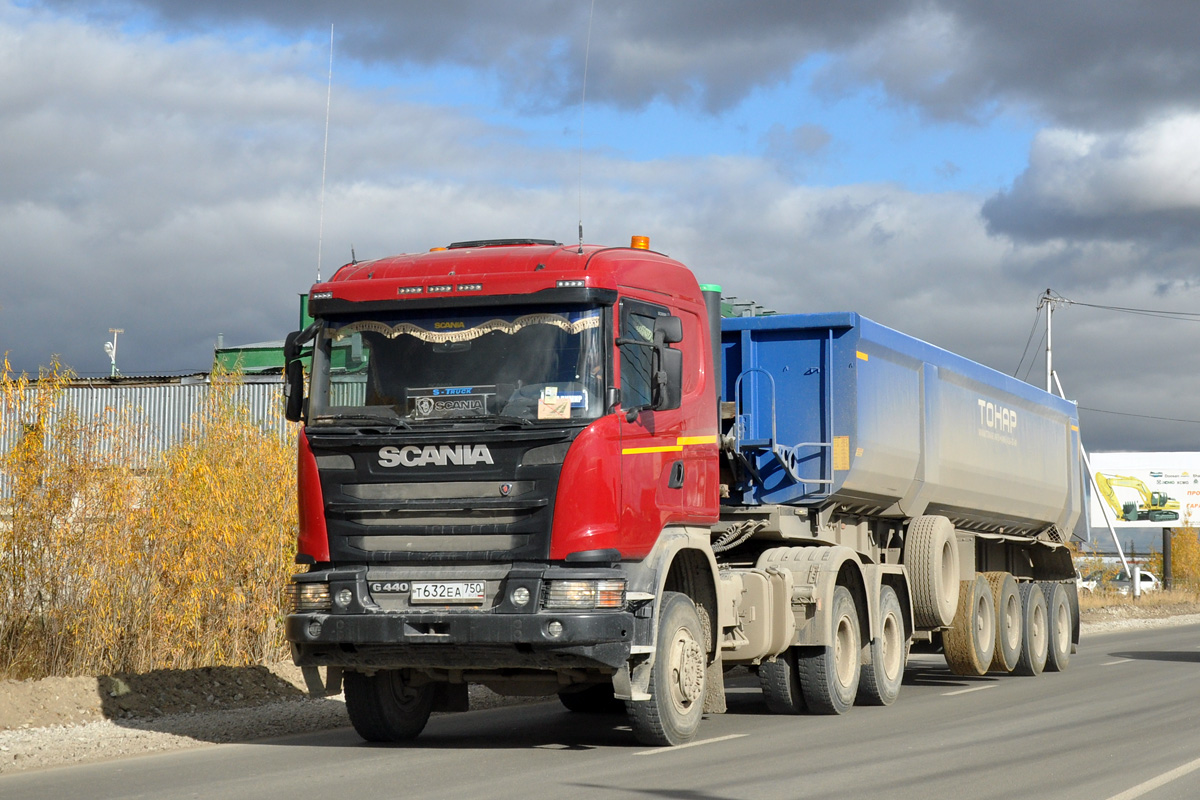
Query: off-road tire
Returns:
{"type": "Point", "coordinates": [1007, 599]}
{"type": "Point", "coordinates": [880, 682]}
{"type": "Point", "coordinates": [931, 555]}
{"type": "Point", "coordinates": [780, 683]}
{"type": "Point", "coordinates": [677, 679]}
{"type": "Point", "coordinates": [1035, 631]}
{"type": "Point", "coordinates": [971, 639]}
{"type": "Point", "coordinates": [829, 675]}
{"type": "Point", "coordinates": [596, 699]}
{"type": "Point", "coordinates": [1058, 618]}
{"type": "Point", "coordinates": [383, 709]}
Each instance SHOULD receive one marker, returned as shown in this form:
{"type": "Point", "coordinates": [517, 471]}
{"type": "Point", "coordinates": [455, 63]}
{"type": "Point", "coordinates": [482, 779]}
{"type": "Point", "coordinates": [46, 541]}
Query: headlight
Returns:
{"type": "Point", "coordinates": [585, 595]}
{"type": "Point", "coordinates": [307, 597]}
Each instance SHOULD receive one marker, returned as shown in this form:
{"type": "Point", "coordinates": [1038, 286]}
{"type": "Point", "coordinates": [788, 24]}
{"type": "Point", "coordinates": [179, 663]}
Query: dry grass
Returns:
{"type": "Point", "coordinates": [1161, 599]}
{"type": "Point", "coordinates": [105, 569]}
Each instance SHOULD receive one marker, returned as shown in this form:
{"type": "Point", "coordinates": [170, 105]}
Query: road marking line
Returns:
{"type": "Point", "coordinates": [1119, 661]}
{"type": "Point", "coordinates": [972, 689]}
{"type": "Point", "coordinates": [690, 744]}
{"type": "Point", "coordinates": [1154, 783]}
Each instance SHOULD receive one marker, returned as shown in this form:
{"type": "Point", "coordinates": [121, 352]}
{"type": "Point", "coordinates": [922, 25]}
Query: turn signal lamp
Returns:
{"type": "Point", "coordinates": [640, 242]}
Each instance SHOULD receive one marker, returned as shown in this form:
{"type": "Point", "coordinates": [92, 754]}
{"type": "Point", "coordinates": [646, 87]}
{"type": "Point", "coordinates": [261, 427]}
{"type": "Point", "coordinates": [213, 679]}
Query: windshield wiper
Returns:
{"type": "Point", "coordinates": [365, 420]}
{"type": "Point", "coordinates": [524, 422]}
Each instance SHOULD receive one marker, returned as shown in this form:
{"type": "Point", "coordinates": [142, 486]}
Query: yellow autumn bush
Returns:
{"type": "Point", "coordinates": [108, 563]}
{"type": "Point", "coordinates": [1185, 559]}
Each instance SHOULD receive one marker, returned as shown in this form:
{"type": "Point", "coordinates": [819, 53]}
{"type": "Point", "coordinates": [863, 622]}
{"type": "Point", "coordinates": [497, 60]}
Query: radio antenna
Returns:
{"type": "Point", "coordinates": [325, 156]}
{"type": "Point", "coordinates": [587, 51]}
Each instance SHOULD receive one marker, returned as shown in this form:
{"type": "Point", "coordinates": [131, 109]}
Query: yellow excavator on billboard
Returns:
{"type": "Point", "coordinates": [1154, 506]}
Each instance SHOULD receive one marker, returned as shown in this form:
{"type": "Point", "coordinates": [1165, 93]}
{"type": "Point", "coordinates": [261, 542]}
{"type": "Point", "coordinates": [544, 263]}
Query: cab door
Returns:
{"type": "Point", "coordinates": [653, 473]}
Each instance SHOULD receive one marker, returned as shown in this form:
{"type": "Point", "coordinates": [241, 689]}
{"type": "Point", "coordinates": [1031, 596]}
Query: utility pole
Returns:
{"type": "Point", "coordinates": [111, 349]}
{"type": "Point", "coordinates": [1049, 299]}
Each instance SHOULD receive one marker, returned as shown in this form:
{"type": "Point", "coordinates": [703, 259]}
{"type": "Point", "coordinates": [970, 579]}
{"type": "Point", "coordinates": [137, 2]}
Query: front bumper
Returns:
{"type": "Point", "coordinates": [461, 639]}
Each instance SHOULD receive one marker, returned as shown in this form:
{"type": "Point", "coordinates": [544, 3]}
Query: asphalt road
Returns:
{"type": "Point", "coordinates": [1121, 723]}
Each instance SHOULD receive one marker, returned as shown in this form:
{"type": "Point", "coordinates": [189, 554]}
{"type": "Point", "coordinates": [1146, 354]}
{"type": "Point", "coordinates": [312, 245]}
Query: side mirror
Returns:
{"type": "Point", "coordinates": [293, 371]}
{"type": "Point", "coordinates": [668, 330]}
{"type": "Point", "coordinates": [293, 390]}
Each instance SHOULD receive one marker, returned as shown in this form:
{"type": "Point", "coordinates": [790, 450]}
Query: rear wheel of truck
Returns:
{"type": "Point", "coordinates": [931, 556]}
{"type": "Point", "coordinates": [1035, 634]}
{"type": "Point", "coordinates": [829, 675]}
{"type": "Point", "coordinates": [881, 679]}
{"type": "Point", "coordinates": [1007, 599]}
{"type": "Point", "coordinates": [596, 699]}
{"type": "Point", "coordinates": [677, 680]}
{"type": "Point", "coordinates": [781, 684]}
{"type": "Point", "coordinates": [971, 639]}
{"type": "Point", "coordinates": [383, 708]}
{"type": "Point", "coordinates": [1058, 617]}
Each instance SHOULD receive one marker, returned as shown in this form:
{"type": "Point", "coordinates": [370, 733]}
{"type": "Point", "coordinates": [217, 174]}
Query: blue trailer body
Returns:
{"type": "Point", "coordinates": [836, 409]}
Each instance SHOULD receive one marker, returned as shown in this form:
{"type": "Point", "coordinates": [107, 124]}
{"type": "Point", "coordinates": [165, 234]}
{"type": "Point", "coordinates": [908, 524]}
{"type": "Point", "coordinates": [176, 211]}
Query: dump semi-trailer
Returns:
{"type": "Point", "coordinates": [558, 470]}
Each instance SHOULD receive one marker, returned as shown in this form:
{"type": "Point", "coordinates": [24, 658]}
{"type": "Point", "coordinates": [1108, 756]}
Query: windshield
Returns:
{"type": "Point", "coordinates": [531, 364]}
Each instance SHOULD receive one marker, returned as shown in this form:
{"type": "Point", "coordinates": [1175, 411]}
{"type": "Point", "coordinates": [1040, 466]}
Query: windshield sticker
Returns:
{"type": "Point", "coordinates": [452, 331]}
{"type": "Point", "coordinates": [442, 402]}
{"type": "Point", "coordinates": [553, 406]}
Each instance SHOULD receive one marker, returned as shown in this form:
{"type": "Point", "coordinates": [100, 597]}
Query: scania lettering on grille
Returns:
{"type": "Point", "coordinates": [435, 455]}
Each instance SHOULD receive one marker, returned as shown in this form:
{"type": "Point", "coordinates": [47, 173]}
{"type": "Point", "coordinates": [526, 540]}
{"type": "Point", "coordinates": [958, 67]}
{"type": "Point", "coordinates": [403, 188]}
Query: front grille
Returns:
{"type": "Point", "coordinates": [498, 512]}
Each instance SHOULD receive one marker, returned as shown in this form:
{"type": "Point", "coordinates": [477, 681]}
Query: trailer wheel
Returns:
{"type": "Point", "coordinates": [677, 679]}
{"type": "Point", "coordinates": [829, 675]}
{"type": "Point", "coordinates": [1058, 617]}
{"type": "Point", "coordinates": [881, 679]}
{"type": "Point", "coordinates": [780, 682]}
{"type": "Point", "coordinates": [595, 699]}
{"type": "Point", "coordinates": [383, 708]}
{"type": "Point", "coordinates": [931, 555]}
{"type": "Point", "coordinates": [971, 639]}
{"type": "Point", "coordinates": [1035, 634]}
{"type": "Point", "coordinates": [1007, 600]}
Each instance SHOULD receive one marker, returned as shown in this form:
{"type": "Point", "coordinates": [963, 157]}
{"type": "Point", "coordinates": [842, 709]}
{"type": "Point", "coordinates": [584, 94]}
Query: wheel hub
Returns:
{"type": "Point", "coordinates": [687, 669]}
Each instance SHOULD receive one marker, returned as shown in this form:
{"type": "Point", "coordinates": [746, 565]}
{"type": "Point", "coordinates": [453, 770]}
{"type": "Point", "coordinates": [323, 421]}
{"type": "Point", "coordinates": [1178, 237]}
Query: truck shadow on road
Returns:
{"type": "Point", "coordinates": [1178, 656]}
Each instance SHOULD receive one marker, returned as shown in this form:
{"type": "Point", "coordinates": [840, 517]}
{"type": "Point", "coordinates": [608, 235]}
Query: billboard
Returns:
{"type": "Point", "coordinates": [1155, 490]}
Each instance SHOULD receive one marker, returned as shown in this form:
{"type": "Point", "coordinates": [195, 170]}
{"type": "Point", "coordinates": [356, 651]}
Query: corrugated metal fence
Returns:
{"type": "Point", "coordinates": [160, 414]}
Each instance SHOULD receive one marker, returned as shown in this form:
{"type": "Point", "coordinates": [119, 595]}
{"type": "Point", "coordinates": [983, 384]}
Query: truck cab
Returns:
{"type": "Point", "coordinates": [496, 434]}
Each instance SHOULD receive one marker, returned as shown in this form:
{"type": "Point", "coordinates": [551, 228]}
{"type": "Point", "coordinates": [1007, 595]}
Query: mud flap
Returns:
{"type": "Point", "coordinates": [319, 688]}
{"type": "Point", "coordinates": [714, 691]}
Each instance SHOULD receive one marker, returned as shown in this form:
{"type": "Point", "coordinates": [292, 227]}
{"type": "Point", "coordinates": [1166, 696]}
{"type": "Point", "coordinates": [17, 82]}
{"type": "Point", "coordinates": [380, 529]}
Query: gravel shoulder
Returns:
{"type": "Point", "coordinates": [59, 721]}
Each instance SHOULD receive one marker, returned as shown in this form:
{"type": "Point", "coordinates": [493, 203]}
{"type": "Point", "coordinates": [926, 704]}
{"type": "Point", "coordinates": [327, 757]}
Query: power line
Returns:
{"type": "Point", "coordinates": [1141, 416]}
{"type": "Point", "coordinates": [1032, 361]}
{"type": "Point", "coordinates": [1037, 315]}
{"type": "Point", "coordinates": [1183, 316]}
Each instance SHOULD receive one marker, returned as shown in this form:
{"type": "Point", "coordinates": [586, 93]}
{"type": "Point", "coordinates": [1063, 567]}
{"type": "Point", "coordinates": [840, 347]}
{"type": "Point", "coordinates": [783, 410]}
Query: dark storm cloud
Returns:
{"type": "Point", "coordinates": [1078, 62]}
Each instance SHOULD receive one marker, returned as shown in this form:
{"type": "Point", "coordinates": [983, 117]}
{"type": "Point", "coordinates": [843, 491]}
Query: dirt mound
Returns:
{"type": "Point", "coordinates": [65, 701]}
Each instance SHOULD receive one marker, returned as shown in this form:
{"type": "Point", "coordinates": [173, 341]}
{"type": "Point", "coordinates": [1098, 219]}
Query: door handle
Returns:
{"type": "Point", "coordinates": [677, 475]}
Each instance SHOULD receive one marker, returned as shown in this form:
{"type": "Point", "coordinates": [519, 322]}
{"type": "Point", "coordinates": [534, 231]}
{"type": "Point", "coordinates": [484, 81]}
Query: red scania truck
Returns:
{"type": "Point", "coordinates": [557, 469]}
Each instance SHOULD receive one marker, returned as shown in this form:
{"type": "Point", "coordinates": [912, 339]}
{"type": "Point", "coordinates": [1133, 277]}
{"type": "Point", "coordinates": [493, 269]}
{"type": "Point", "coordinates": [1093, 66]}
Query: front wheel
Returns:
{"type": "Point", "coordinates": [384, 708]}
{"type": "Point", "coordinates": [677, 680]}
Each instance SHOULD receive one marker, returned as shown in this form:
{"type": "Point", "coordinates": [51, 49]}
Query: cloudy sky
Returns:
{"type": "Point", "coordinates": [934, 165]}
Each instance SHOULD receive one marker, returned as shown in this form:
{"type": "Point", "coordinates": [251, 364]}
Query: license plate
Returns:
{"type": "Point", "coordinates": [447, 592]}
